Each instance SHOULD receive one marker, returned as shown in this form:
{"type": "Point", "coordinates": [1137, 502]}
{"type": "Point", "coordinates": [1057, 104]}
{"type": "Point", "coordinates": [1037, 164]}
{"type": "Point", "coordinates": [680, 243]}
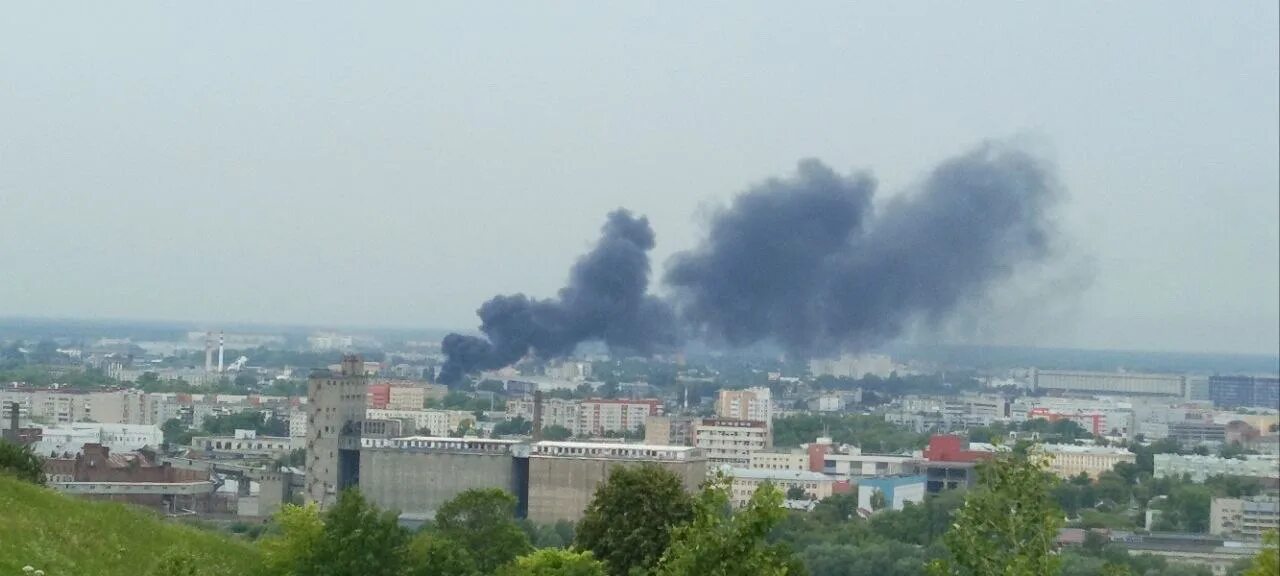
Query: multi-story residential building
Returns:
{"type": "Point", "coordinates": [600, 415]}
{"type": "Point", "coordinates": [1122, 383]}
{"type": "Point", "coordinates": [555, 411]}
{"type": "Point", "coordinates": [749, 404]}
{"type": "Point", "coordinates": [746, 481]}
{"type": "Point", "coordinates": [947, 413]}
{"type": "Point", "coordinates": [830, 403]}
{"type": "Point", "coordinates": [1249, 391]}
{"type": "Point", "coordinates": [731, 442]}
{"type": "Point", "coordinates": [793, 460]}
{"type": "Point", "coordinates": [897, 491]}
{"type": "Point", "coordinates": [850, 366]}
{"type": "Point", "coordinates": [1244, 518]}
{"type": "Point", "coordinates": [437, 422]}
{"type": "Point", "coordinates": [1201, 467]}
{"type": "Point", "coordinates": [670, 430]}
{"type": "Point", "coordinates": [1069, 461]}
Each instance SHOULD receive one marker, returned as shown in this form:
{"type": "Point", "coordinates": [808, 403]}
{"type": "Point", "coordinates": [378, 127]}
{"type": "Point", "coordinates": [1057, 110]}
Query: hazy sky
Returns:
{"type": "Point", "coordinates": [399, 163]}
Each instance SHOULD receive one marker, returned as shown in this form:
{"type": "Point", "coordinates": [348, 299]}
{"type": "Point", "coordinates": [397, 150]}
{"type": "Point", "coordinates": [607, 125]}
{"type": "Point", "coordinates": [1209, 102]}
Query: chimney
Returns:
{"type": "Point", "coordinates": [537, 415]}
{"type": "Point", "coordinates": [12, 432]}
{"type": "Point", "coordinates": [221, 340]}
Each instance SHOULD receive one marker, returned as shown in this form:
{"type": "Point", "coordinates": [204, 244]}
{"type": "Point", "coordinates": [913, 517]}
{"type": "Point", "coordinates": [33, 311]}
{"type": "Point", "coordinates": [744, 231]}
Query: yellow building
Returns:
{"type": "Point", "coordinates": [1068, 461]}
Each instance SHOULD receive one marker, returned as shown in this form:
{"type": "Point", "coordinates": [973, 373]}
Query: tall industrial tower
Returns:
{"type": "Point", "coordinates": [335, 409]}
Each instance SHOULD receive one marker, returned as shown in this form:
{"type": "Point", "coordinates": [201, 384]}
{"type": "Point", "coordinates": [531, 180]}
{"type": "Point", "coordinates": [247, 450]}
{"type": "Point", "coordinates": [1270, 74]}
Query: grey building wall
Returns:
{"type": "Point", "coordinates": [560, 488]}
{"type": "Point", "coordinates": [417, 482]}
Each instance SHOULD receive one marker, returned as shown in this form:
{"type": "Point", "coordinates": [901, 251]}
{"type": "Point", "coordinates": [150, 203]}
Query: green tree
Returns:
{"type": "Point", "coordinates": [1008, 525]}
{"type": "Point", "coordinates": [1267, 562]}
{"type": "Point", "coordinates": [628, 523]}
{"type": "Point", "coordinates": [797, 493]}
{"type": "Point", "coordinates": [431, 554]}
{"type": "Point", "coordinates": [483, 522]}
{"type": "Point", "coordinates": [301, 530]}
{"type": "Point", "coordinates": [878, 500]}
{"type": "Point", "coordinates": [358, 540]}
{"type": "Point", "coordinates": [176, 433]}
{"type": "Point", "coordinates": [22, 462]}
{"type": "Point", "coordinates": [554, 562]}
{"type": "Point", "coordinates": [719, 542]}
{"type": "Point", "coordinates": [556, 432]}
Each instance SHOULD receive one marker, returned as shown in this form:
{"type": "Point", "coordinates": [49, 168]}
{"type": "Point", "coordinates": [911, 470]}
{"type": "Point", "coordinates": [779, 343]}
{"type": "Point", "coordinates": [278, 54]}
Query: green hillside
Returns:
{"type": "Point", "coordinates": [66, 536]}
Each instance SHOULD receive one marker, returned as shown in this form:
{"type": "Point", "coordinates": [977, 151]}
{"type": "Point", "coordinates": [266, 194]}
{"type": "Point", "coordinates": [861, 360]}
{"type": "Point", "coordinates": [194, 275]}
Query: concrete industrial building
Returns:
{"type": "Point", "coordinates": [1069, 461]}
{"type": "Point", "coordinates": [417, 474]}
{"type": "Point", "coordinates": [1122, 383]}
{"type": "Point", "coordinates": [563, 476]}
{"type": "Point", "coordinates": [1244, 518]}
{"type": "Point", "coordinates": [731, 442]}
{"type": "Point", "coordinates": [71, 438]}
{"type": "Point", "coordinates": [335, 407]}
{"type": "Point", "coordinates": [245, 443]}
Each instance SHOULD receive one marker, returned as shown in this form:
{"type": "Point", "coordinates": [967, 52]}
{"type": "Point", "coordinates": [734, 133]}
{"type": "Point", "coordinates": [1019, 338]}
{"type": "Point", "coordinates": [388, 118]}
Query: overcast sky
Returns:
{"type": "Point", "coordinates": [399, 163]}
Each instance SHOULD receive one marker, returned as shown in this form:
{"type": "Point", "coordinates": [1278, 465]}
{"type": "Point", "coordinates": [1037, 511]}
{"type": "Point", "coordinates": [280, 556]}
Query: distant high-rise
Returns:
{"type": "Point", "coordinates": [1244, 391]}
{"type": "Point", "coordinates": [335, 408]}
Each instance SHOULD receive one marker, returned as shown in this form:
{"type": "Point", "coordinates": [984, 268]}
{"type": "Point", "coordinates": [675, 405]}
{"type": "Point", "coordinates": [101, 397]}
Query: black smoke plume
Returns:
{"type": "Point", "coordinates": [805, 262]}
{"type": "Point", "coordinates": [605, 300]}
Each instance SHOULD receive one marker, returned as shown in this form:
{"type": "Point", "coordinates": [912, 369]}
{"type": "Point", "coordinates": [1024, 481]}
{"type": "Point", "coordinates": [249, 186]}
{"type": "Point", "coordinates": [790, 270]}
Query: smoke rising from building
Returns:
{"type": "Point", "coordinates": [806, 262]}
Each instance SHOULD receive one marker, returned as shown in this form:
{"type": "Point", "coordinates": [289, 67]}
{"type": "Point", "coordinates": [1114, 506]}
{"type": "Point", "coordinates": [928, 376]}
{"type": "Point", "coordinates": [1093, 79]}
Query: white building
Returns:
{"type": "Point", "coordinates": [897, 492]}
{"type": "Point", "coordinates": [438, 422]}
{"type": "Point", "coordinates": [1202, 467]}
{"type": "Point", "coordinates": [731, 442]}
{"type": "Point", "coordinates": [1122, 383]}
{"type": "Point", "coordinates": [850, 463]}
{"type": "Point", "coordinates": [848, 366]}
{"type": "Point", "coordinates": [794, 460]}
{"type": "Point", "coordinates": [746, 481]}
{"type": "Point", "coordinates": [1068, 461]}
{"type": "Point", "coordinates": [555, 412]}
{"type": "Point", "coordinates": [298, 424]}
{"type": "Point", "coordinates": [599, 416]}
{"type": "Point", "coordinates": [71, 438]}
{"type": "Point", "coordinates": [830, 403]}
{"type": "Point", "coordinates": [1244, 518]}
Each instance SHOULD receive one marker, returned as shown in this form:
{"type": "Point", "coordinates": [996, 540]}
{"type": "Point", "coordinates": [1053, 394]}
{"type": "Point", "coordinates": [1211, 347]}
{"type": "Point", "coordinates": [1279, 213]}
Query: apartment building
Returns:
{"type": "Point", "coordinates": [746, 481]}
{"type": "Point", "coordinates": [749, 404]}
{"type": "Point", "coordinates": [1201, 467]}
{"type": "Point", "coordinates": [731, 442]}
{"type": "Point", "coordinates": [1244, 518]}
{"type": "Point", "coordinates": [793, 460]}
{"type": "Point", "coordinates": [600, 415]}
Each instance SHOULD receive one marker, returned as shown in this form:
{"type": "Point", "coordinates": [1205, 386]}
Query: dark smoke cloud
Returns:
{"type": "Point", "coordinates": [605, 300]}
{"type": "Point", "coordinates": [804, 262]}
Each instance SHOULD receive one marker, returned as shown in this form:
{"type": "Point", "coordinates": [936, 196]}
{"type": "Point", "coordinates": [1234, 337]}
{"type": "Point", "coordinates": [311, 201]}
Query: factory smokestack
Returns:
{"type": "Point", "coordinates": [806, 262]}
{"type": "Point", "coordinates": [221, 342]}
{"type": "Point", "coordinates": [537, 415]}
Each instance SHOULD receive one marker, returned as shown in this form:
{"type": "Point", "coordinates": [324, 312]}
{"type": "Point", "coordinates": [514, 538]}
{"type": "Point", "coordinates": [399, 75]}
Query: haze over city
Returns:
{"type": "Point", "coordinates": [398, 165]}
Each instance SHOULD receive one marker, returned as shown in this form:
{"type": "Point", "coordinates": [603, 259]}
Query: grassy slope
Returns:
{"type": "Point", "coordinates": [66, 536]}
